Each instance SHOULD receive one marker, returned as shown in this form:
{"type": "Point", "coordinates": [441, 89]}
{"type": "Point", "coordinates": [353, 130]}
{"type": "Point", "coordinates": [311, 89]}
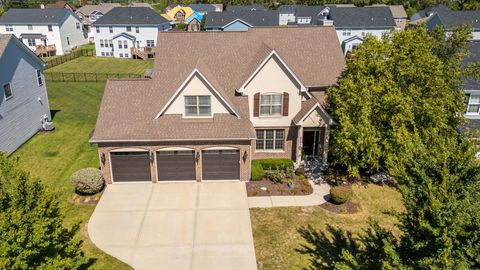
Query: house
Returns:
{"type": "Point", "coordinates": [206, 8]}
{"type": "Point", "coordinates": [194, 22]}
{"type": "Point", "coordinates": [352, 23]}
{"type": "Point", "coordinates": [442, 15]}
{"type": "Point", "coordinates": [286, 14]}
{"type": "Point", "coordinates": [128, 32]}
{"type": "Point", "coordinates": [61, 4]}
{"type": "Point", "coordinates": [399, 14]}
{"type": "Point", "coordinates": [45, 31]}
{"type": "Point", "coordinates": [472, 89]}
{"type": "Point", "coordinates": [91, 13]}
{"type": "Point", "coordinates": [232, 98]}
{"type": "Point", "coordinates": [243, 8]}
{"type": "Point", "coordinates": [140, 4]}
{"type": "Point", "coordinates": [241, 20]}
{"type": "Point", "coordinates": [178, 14]}
{"type": "Point", "coordinates": [24, 108]}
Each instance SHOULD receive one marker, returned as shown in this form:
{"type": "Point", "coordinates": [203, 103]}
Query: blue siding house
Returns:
{"type": "Point", "coordinates": [24, 108]}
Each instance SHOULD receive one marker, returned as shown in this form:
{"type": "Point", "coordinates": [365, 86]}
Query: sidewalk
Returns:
{"type": "Point", "coordinates": [319, 195]}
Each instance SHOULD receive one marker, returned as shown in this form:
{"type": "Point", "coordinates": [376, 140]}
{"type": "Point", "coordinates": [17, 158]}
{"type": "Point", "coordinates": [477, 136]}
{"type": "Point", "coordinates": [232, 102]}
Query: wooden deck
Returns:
{"type": "Point", "coordinates": [143, 53]}
{"type": "Point", "coordinates": [45, 51]}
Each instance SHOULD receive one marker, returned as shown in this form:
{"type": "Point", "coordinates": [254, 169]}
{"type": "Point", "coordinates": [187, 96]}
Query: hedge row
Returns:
{"type": "Point", "coordinates": [260, 165]}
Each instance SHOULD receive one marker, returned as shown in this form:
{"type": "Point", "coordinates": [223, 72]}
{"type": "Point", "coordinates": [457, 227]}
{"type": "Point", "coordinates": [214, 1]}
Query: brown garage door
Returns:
{"type": "Point", "coordinates": [176, 165]}
{"type": "Point", "coordinates": [130, 166]}
{"type": "Point", "coordinates": [221, 164]}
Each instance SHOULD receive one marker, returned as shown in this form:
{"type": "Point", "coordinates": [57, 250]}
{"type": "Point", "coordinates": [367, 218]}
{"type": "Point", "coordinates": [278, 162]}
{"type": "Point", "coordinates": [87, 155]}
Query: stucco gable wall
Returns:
{"type": "Point", "coordinates": [274, 78]}
{"type": "Point", "coordinates": [196, 86]}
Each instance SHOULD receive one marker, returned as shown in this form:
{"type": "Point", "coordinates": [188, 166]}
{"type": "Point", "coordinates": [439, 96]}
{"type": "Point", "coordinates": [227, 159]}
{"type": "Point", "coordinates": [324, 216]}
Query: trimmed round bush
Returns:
{"type": "Point", "coordinates": [88, 181]}
{"type": "Point", "coordinates": [340, 194]}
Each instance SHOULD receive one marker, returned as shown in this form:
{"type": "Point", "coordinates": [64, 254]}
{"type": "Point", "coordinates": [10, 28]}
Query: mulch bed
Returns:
{"type": "Point", "coordinates": [254, 188]}
{"type": "Point", "coordinates": [346, 208]}
{"type": "Point", "coordinates": [85, 199]}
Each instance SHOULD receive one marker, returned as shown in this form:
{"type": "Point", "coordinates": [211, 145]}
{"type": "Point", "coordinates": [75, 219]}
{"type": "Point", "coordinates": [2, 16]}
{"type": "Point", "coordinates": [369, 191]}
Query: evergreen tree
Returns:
{"type": "Point", "coordinates": [32, 235]}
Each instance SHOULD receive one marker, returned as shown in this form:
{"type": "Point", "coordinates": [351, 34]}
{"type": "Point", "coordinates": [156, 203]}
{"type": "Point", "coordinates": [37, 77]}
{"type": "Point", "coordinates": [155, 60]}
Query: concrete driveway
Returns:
{"type": "Point", "coordinates": [175, 225]}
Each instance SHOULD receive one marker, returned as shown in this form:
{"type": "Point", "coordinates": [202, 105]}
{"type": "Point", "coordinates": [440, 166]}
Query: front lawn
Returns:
{"type": "Point", "coordinates": [54, 156]}
{"type": "Point", "coordinates": [103, 65]}
{"type": "Point", "coordinates": [277, 232]}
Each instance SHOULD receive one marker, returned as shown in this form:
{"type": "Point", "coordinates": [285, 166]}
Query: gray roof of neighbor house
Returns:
{"type": "Point", "coordinates": [449, 18]}
{"type": "Point", "coordinates": [254, 18]}
{"type": "Point", "coordinates": [5, 39]}
{"type": "Point", "coordinates": [254, 7]}
{"type": "Point", "coordinates": [287, 9]}
{"type": "Point", "coordinates": [207, 7]}
{"type": "Point", "coordinates": [362, 17]}
{"type": "Point", "coordinates": [131, 16]}
{"type": "Point", "coordinates": [35, 16]}
{"type": "Point", "coordinates": [129, 108]}
{"type": "Point", "coordinates": [474, 57]}
{"type": "Point", "coordinates": [103, 8]}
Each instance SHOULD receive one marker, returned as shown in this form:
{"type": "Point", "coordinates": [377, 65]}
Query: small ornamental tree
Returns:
{"type": "Point", "coordinates": [32, 234]}
{"type": "Point", "coordinates": [398, 93]}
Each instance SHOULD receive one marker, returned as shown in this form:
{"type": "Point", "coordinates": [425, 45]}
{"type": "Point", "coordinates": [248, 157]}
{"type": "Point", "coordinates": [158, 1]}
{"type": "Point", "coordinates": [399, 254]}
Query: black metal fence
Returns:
{"type": "Point", "coordinates": [67, 57]}
{"type": "Point", "coordinates": [87, 77]}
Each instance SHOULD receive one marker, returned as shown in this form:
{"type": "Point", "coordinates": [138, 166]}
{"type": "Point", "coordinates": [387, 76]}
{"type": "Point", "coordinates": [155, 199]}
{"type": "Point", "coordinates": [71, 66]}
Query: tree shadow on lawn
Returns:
{"type": "Point", "coordinates": [325, 247]}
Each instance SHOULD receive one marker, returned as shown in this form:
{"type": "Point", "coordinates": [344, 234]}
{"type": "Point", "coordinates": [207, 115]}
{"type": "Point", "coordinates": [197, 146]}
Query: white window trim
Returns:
{"type": "Point", "coordinates": [11, 91]}
{"type": "Point", "coordinates": [198, 107]}
{"type": "Point", "coordinates": [270, 105]}
{"type": "Point", "coordinates": [274, 140]}
{"type": "Point", "coordinates": [38, 75]}
{"type": "Point", "coordinates": [469, 103]}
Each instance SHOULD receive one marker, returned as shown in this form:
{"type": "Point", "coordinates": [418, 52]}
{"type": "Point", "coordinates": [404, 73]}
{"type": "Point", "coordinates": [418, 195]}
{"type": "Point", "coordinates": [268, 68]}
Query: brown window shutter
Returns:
{"type": "Point", "coordinates": [256, 104]}
{"type": "Point", "coordinates": [285, 104]}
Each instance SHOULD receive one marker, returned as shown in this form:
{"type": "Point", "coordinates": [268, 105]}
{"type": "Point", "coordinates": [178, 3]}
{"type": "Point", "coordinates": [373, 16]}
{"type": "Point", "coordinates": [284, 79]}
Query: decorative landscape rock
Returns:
{"type": "Point", "coordinates": [88, 181]}
{"type": "Point", "coordinates": [381, 178]}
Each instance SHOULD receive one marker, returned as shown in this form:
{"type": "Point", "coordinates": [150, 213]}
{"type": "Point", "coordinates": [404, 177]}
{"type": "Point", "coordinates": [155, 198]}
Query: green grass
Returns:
{"type": "Point", "coordinates": [54, 156]}
{"type": "Point", "coordinates": [276, 230]}
{"type": "Point", "coordinates": [103, 65]}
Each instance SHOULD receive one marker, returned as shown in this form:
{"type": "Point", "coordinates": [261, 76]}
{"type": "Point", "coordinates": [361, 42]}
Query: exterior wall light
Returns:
{"type": "Point", "coordinates": [103, 159]}
{"type": "Point", "coordinates": [245, 156]}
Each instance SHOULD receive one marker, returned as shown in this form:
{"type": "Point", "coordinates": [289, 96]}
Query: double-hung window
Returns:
{"type": "Point", "coordinates": [125, 44]}
{"type": "Point", "coordinates": [39, 77]}
{"type": "Point", "coordinates": [129, 29]}
{"type": "Point", "coordinates": [50, 28]}
{"type": "Point", "coordinates": [77, 25]}
{"type": "Point", "coordinates": [270, 139]}
{"type": "Point", "coordinates": [97, 29]}
{"type": "Point", "coordinates": [110, 29]}
{"type": "Point", "coordinates": [137, 29]}
{"type": "Point", "coordinates": [31, 42]}
{"type": "Point", "coordinates": [30, 27]}
{"type": "Point", "coordinates": [271, 105]}
{"type": "Point", "coordinates": [198, 106]}
{"type": "Point", "coordinates": [473, 105]}
{"type": "Point", "coordinates": [7, 90]}
{"type": "Point", "coordinates": [150, 43]}
{"type": "Point", "coordinates": [9, 28]}
{"type": "Point", "coordinates": [101, 43]}
{"type": "Point", "coordinates": [119, 44]}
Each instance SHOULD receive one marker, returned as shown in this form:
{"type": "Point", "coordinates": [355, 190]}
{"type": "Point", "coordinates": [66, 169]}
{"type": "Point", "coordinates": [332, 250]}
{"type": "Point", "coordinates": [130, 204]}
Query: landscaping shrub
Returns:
{"type": "Point", "coordinates": [300, 171]}
{"type": "Point", "coordinates": [88, 180]}
{"type": "Point", "coordinates": [340, 194]}
{"type": "Point", "coordinates": [257, 171]}
{"type": "Point", "coordinates": [275, 163]}
{"type": "Point", "coordinates": [275, 176]}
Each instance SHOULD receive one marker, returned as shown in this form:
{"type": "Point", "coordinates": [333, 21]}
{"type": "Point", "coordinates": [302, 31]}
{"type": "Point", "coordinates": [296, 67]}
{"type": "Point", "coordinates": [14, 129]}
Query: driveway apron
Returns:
{"type": "Point", "coordinates": [175, 225]}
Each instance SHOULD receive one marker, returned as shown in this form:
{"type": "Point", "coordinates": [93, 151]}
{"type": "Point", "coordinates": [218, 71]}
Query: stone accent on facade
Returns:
{"type": "Point", "coordinates": [243, 146]}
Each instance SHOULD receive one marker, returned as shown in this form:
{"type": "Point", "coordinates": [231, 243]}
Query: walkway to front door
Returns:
{"type": "Point", "coordinates": [175, 225]}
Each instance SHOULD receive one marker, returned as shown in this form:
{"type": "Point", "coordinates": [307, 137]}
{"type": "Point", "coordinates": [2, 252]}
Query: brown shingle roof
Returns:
{"type": "Point", "coordinates": [227, 60]}
{"type": "Point", "coordinates": [4, 39]}
{"type": "Point", "coordinates": [306, 107]}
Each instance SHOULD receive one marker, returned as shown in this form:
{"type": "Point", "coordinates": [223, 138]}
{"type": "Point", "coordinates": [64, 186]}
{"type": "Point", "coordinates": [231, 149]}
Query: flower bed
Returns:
{"type": "Point", "coordinates": [266, 187]}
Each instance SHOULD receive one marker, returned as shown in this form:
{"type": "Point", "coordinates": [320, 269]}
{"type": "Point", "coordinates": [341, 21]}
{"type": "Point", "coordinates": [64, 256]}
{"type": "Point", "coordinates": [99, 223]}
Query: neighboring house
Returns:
{"type": "Point", "coordinates": [241, 20]}
{"type": "Point", "coordinates": [206, 8]}
{"type": "Point", "coordinates": [351, 23]}
{"type": "Point", "coordinates": [61, 4]}
{"type": "Point", "coordinates": [128, 32]}
{"type": "Point", "coordinates": [24, 106]}
{"type": "Point", "coordinates": [399, 14]}
{"type": "Point", "coordinates": [45, 31]}
{"type": "Point", "coordinates": [472, 89]}
{"type": "Point", "coordinates": [194, 22]}
{"type": "Point", "coordinates": [217, 101]}
{"type": "Point", "coordinates": [287, 14]}
{"type": "Point", "coordinates": [243, 8]}
{"type": "Point", "coordinates": [178, 14]}
{"type": "Point", "coordinates": [140, 4]}
{"type": "Point", "coordinates": [442, 15]}
{"type": "Point", "coordinates": [91, 13]}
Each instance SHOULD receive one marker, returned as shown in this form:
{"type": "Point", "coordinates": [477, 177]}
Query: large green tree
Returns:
{"type": "Point", "coordinates": [32, 235]}
{"type": "Point", "coordinates": [397, 94]}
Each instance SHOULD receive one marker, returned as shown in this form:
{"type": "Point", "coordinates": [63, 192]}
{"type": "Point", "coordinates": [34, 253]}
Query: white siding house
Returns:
{"type": "Point", "coordinates": [45, 31]}
{"type": "Point", "coordinates": [129, 32]}
{"type": "Point", "coordinates": [24, 108]}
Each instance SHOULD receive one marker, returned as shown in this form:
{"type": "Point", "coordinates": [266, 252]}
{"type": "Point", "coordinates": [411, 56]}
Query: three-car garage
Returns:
{"type": "Point", "coordinates": [174, 165]}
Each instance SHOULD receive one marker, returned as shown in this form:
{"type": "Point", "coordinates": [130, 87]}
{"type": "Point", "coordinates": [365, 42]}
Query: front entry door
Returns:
{"type": "Point", "coordinates": [312, 142]}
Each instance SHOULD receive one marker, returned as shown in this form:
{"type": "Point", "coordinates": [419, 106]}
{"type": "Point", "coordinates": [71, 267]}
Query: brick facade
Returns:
{"type": "Point", "coordinates": [243, 146]}
{"type": "Point", "coordinates": [289, 148]}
